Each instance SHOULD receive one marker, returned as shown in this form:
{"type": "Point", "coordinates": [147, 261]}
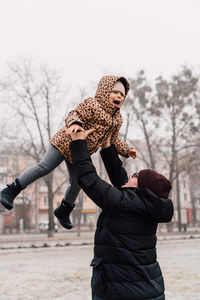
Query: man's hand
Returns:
{"type": "Point", "coordinates": [74, 128]}
{"type": "Point", "coordinates": [132, 153]}
{"type": "Point", "coordinates": [81, 135]}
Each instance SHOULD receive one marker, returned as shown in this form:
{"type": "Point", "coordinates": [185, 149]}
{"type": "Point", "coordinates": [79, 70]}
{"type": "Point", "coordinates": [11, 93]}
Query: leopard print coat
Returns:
{"type": "Point", "coordinates": [95, 113]}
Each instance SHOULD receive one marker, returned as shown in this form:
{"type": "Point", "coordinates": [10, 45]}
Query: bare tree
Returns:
{"type": "Point", "coordinates": [194, 167]}
{"type": "Point", "coordinates": [163, 114]}
{"type": "Point", "coordinates": [174, 99]}
{"type": "Point", "coordinates": [138, 114]}
{"type": "Point", "coordinates": [34, 95]}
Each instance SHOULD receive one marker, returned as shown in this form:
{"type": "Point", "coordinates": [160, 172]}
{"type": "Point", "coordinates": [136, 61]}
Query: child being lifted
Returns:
{"type": "Point", "coordinates": [101, 112]}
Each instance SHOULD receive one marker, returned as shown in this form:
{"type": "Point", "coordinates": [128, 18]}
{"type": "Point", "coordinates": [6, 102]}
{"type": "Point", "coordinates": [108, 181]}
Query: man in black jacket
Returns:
{"type": "Point", "coordinates": [125, 265]}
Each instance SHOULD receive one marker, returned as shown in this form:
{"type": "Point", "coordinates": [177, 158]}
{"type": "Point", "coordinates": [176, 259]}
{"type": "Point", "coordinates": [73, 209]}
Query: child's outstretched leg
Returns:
{"type": "Point", "coordinates": [49, 162]}
{"type": "Point", "coordinates": [62, 212]}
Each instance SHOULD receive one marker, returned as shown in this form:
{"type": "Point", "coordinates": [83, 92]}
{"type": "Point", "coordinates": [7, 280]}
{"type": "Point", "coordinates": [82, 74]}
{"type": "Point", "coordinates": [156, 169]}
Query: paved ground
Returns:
{"type": "Point", "coordinates": [62, 272]}
{"type": "Point", "coordinates": [70, 238]}
{"type": "Point", "coordinates": [65, 238]}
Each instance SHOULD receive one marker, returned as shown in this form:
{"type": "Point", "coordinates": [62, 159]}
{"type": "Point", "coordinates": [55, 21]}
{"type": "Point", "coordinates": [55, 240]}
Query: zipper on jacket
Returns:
{"type": "Point", "coordinates": [107, 130]}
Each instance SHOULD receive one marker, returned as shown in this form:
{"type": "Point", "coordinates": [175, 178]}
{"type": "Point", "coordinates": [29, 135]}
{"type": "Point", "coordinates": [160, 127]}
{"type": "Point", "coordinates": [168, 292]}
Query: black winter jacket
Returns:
{"type": "Point", "coordinates": [125, 265]}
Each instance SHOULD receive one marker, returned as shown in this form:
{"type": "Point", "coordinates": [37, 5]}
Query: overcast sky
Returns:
{"type": "Point", "coordinates": [87, 38]}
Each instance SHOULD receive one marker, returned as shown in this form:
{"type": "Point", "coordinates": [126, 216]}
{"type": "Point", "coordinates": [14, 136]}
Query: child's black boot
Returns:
{"type": "Point", "coordinates": [62, 212]}
{"type": "Point", "coordinates": [10, 193]}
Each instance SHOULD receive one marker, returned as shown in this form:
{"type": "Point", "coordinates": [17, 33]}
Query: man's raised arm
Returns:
{"type": "Point", "coordinates": [113, 165]}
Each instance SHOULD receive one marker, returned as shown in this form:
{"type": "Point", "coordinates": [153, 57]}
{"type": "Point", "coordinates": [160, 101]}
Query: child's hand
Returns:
{"type": "Point", "coordinates": [132, 153]}
{"type": "Point", "coordinates": [81, 135]}
{"type": "Point", "coordinates": [74, 128]}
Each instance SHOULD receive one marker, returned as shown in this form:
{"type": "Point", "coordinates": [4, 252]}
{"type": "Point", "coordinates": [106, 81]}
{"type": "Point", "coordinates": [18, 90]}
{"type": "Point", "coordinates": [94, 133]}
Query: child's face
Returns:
{"type": "Point", "coordinates": [116, 98]}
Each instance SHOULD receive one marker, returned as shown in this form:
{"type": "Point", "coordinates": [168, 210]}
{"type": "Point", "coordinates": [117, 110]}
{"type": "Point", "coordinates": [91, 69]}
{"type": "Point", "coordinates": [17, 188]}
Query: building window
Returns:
{"type": "Point", "coordinates": [43, 189]}
{"type": "Point", "coordinates": [85, 218]}
{"type": "Point", "coordinates": [84, 199]}
{"type": "Point", "coordinates": [45, 201]}
{"type": "Point", "coordinates": [29, 163]}
{"type": "Point", "coordinates": [15, 164]}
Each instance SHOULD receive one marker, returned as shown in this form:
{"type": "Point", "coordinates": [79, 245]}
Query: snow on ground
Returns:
{"type": "Point", "coordinates": [63, 273]}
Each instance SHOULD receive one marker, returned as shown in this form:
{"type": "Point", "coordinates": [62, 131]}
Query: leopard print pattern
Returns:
{"type": "Point", "coordinates": [95, 113]}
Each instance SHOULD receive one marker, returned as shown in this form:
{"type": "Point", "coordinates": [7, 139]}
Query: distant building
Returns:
{"type": "Point", "coordinates": [31, 206]}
